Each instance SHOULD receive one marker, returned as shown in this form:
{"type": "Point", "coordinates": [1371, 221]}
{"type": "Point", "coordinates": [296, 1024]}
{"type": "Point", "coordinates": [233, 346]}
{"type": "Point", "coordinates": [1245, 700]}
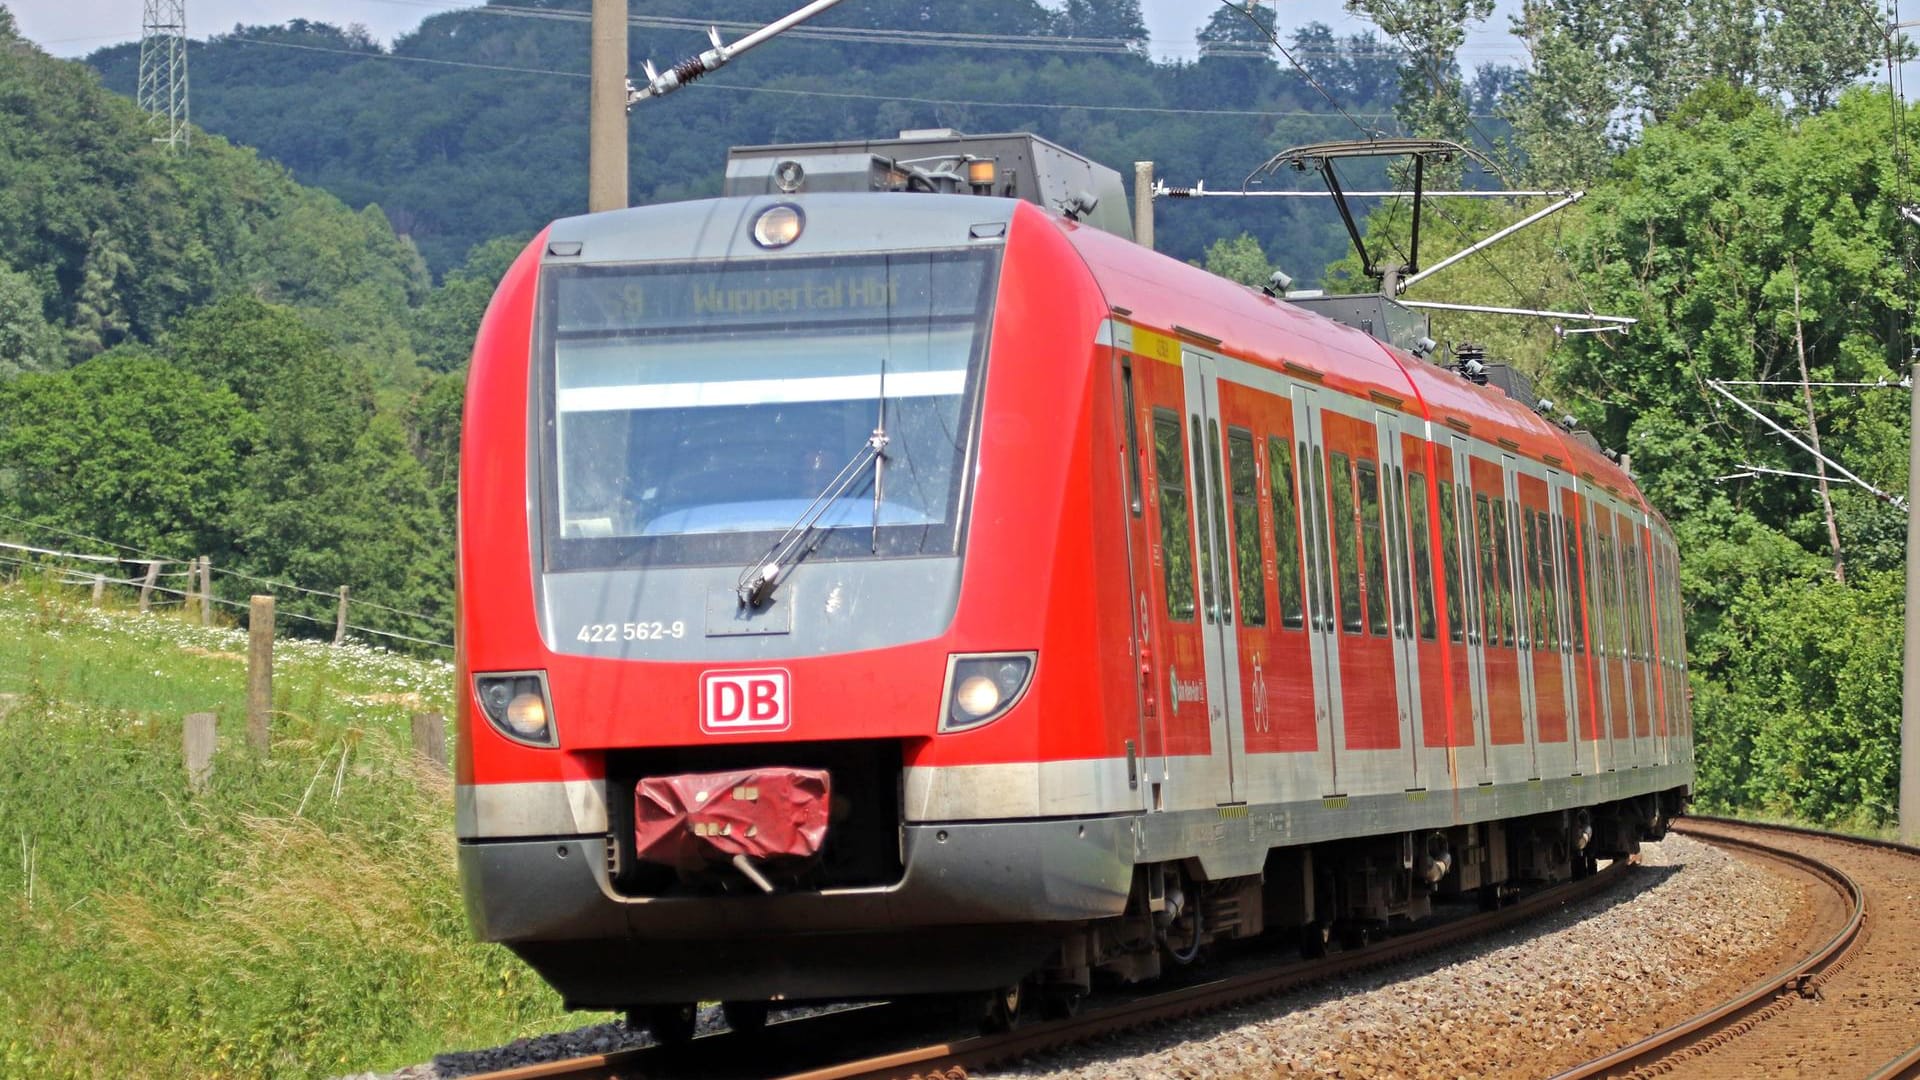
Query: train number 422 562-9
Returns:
{"type": "Point", "coordinates": [630, 631]}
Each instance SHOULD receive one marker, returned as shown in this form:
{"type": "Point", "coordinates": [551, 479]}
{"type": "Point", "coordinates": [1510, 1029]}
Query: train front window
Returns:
{"type": "Point", "coordinates": [694, 411]}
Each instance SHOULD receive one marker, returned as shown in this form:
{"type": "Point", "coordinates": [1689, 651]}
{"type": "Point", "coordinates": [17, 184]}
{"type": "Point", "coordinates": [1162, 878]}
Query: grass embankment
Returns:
{"type": "Point", "coordinates": [300, 917]}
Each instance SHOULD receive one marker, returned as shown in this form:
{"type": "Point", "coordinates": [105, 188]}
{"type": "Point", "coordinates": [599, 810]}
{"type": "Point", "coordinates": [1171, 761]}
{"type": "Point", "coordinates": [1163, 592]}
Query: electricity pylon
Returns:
{"type": "Point", "coordinates": [163, 70]}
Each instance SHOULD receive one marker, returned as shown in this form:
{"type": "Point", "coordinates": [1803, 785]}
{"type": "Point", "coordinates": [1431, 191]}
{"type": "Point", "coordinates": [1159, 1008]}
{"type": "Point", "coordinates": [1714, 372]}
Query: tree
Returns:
{"type": "Point", "coordinates": [1433, 97]}
{"type": "Point", "coordinates": [1236, 30]}
{"type": "Point", "coordinates": [445, 325]}
{"type": "Point", "coordinates": [246, 344]}
{"type": "Point", "coordinates": [1240, 259]}
{"type": "Point", "coordinates": [1117, 20]}
{"type": "Point", "coordinates": [125, 446]}
{"type": "Point", "coordinates": [27, 342]}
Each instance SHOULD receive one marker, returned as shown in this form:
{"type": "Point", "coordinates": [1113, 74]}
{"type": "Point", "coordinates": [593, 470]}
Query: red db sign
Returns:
{"type": "Point", "coordinates": [744, 701]}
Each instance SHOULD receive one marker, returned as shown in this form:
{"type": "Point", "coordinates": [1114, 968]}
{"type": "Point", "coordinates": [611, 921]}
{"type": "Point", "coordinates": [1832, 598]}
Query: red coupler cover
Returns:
{"type": "Point", "coordinates": [689, 821]}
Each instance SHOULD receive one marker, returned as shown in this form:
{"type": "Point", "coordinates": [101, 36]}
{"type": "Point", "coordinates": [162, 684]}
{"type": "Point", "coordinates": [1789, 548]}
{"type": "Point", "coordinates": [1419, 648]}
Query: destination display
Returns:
{"type": "Point", "coordinates": [788, 292]}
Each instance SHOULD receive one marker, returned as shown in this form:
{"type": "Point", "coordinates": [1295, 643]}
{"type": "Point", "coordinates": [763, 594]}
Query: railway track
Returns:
{"type": "Point", "coordinates": [803, 1049]}
{"type": "Point", "coordinates": [1848, 1007]}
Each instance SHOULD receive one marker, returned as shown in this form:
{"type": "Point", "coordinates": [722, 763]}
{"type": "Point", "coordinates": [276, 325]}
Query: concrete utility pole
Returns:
{"type": "Point", "coordinates": [1143, 203]}
{"type": "Point", "coordinates": [1910, 662]}
{"type": "Point", "coordinates": [607, 109]}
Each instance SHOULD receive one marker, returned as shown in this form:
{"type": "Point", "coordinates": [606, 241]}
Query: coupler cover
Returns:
{"type": "Point", "coordinates": [692, 821]}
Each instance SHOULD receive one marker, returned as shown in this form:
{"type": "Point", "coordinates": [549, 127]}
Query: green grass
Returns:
{"type": "Point", "coordinates": [299, 918]}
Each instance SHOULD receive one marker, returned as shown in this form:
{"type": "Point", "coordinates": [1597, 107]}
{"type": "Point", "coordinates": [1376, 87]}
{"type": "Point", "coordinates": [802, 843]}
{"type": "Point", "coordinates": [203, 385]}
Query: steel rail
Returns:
{"type": "Point", "coordinates": [1757, 1000]}
{"type": "Point", "coordinates": [951, 1061]}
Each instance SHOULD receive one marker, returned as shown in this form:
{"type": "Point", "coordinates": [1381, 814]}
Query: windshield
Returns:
{"type": "Point", "coordinates": [696, 410]}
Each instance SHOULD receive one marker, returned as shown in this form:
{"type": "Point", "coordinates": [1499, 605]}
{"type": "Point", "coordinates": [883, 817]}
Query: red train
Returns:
{"type": "Point", "coordinates": [882, 592]}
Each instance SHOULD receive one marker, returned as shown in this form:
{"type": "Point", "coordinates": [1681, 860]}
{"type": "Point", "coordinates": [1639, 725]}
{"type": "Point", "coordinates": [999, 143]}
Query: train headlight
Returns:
{"type": "Point", "coordinates": [778, 225]}
{"type": "Point", "coordinates": [516, 704]}
{"type": "Point", "coordinates": [981, 687]}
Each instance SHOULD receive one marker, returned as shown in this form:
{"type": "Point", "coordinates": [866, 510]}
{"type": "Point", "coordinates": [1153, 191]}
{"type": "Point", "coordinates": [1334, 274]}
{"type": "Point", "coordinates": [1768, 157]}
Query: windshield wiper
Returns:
{"type": "Point", "coordinates": [757, 582]}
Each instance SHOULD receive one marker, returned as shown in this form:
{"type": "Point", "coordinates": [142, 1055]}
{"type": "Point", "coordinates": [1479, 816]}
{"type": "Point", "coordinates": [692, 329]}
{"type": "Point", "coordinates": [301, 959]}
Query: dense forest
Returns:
{"type": "Point", "coordinates": [458, 155]}
{"type": "Point", "coordinates": [199, 354]}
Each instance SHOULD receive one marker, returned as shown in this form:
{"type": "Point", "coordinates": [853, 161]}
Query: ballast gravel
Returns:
{"type": "Point", "coordinates": [1692, 925]}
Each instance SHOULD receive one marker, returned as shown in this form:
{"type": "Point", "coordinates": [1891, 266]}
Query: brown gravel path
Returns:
{"type": "Point", "coordinates": [1868, 1012]}
{"type": "Point", "coordinates": [1693, 923]}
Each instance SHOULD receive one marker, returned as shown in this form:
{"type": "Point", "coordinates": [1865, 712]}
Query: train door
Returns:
{"type": "Point", "coordinates": [1148, 751]}
{"type": "Point", "coordinates": [1511, 552]}
{"type": "Point", "coordinates": [1399, 574]}
{"type": "Point", "coordinates": [1600, 632]}
{"type": "Point", "coordinates": [1215, 549]}
{"type": "Point", "coordinates": [1553, 747]}
{"type": "Point", "coordinates": [1509, 748]}
{"type": "Point", "coordinates": [1583, 729]}
{"type": "Point", "coordinates": [1652, 724]}
{"type": "Point", "coordinates": [1323, 638]}
{"type": "Point", "coordinates": [1173, 655]}
{"type": "Point", "coordinates": [1434, 736]}
{"type": "Point", "coordinates": [1470, 667]}
{"type": "Point", "coordinates": [1375, 757]}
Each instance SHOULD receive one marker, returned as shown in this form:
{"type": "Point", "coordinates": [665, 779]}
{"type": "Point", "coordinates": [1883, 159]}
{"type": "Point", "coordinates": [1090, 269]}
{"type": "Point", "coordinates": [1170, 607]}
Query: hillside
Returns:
{"type": "Point", "coordinates": [300, 917]}
{"type": "Point", "coordinates": [105, 237]}
{"type": "Point", "coordinates": [456, 155]}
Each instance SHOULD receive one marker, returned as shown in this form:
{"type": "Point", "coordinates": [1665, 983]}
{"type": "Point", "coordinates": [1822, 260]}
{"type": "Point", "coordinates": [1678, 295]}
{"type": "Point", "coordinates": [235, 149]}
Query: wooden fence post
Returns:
{"type": "Point", "coordinates": [340, 620]}
{"type": "Point", "coordinates": [430, 737]}
{"type": "Point", "coordinates": [259, 673]}
{"type": "Point", "coordinates": [197, 742]}
{"type": "Point", "coordinates": [99, 589]}
{"type": "Point", "coordinates": [146, 586]}
{"type": "Point", "coordinates": [206, 591]}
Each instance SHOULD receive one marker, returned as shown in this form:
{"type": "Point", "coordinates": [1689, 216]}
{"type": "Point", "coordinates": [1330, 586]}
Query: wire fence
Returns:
{"type": "Point", "coordinates": [158, 583]}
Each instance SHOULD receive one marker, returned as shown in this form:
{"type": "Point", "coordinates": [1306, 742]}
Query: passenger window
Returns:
{"type": "Point", "coordinates": [1322, 561]}
{"type": "Point", "coordinates": [1368, 476]}
{"type": "Point", "coordinates": [1530, 561]}
{"type": "Point", "coordinates": [1286, 530]}
{"type": "Point", "coordinates": [1576, 617]}
{"type": "Point", "coordinates": [1170, 477]}
{"type": "Point", "coordinates": [1217, 501]}
{"type": "Point", "coordinates": [1422, 552]}
{"type": "Point", "coordinates": [1246, 527]}
{"type": "Point", "coordinates": [1503, 566]}
{"type": "Point", "coordinates": [1549, 581]}
{"type": "Point", "coordinates": [1450, 561]}
{"type": "Point", "coordinates": [1344, 550]}
{"type": "Point", "coordinates": [1489, 579]}
{"type": "Point", "coordinates": [1402, 558]}
{"type": "Point", "coordinates": [1201, 502]}
{"type": "Point", "coordinates": [1133, 442]}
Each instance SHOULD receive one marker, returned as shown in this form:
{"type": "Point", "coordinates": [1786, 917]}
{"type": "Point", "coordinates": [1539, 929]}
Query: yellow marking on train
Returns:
{"type": "Point", "coordinates": [1417, 795]}
{"type": "Point", "coordinates": [1233, 811]}
{"type": "Point", "coordinates": [1334, 802]}
{"type": "Point", "coordinates": [1157, 346]}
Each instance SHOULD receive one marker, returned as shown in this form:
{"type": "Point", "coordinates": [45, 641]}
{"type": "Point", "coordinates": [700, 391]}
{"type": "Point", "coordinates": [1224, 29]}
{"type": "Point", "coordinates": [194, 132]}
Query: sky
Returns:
{"type": "Point", "coordinates": [77, 27]}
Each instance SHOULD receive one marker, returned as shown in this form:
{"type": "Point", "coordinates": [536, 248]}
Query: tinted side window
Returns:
{"type": "Point", "coordinates": [1176, 544]}
{"type": "Point", "coordinates": [1450, 557]}
{"type": "Point", "coordinates": [1286, 530]}
{"type": "Point", "coordinates": [1345, 553]}
{"type": "Point", "coordinates": [1549, 581]}
{"type": "Point", "coordinates": [1133, 442]}
{"type": "Point", "coordinates": [1530, 562]}
{"type": "Point", "coordinates": [1489, 577]}
{"type": "Point", "coordinates": [1368, 475]}
{"type": "Point", "coordinates": [1576, 618]}
{"type": "Point", "coordinates": [1201, 500]}
{"type": "Point", "coordinates": [1246, 527]}
{"type": "Point", "coordinates": [1217, 501]}
{"type": "Point", "coordinates": [1422, 553]}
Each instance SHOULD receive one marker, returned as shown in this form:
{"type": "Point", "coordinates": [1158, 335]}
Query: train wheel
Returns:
{"type": "Point", "coordinates": [1002, 1009]}
{"type": "Point", "coordinates": [673, 1025]}
{"type": "Point", "coordinates": [1314, 939]}
{"type": "Point", "coordinates": [745, 1016]}
{"type": "Point", "coordinates": [1061, 1002]}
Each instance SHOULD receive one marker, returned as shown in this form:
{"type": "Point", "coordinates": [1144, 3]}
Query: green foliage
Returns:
{"type": "Point", "coordinates": [126, 445]}
{"type": "Point", "coordinates": [300, 917]}
{"type": "Point", "coordinates": [456, 156]}
{"type": "Point", "coordinates": [119, 236]}
{"type": "Point", "coordinates": [1434, 102]}
{"type": "Point", "coordinates": [27, 342]}
{"type": "Point", "coordinates": [445, 325]}
{"type": "Point", "coordinates": [1240, 259]}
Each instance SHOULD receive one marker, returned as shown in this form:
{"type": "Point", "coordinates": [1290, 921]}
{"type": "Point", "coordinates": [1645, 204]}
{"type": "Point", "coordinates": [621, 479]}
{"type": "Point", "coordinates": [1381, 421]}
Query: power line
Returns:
{"type": "Point", "coordinates": [960, 102]}
{"type": "Point", "coordinates": [1304, 73]}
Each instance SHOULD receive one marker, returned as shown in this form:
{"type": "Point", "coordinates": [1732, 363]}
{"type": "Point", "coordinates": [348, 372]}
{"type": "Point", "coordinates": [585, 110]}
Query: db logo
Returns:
{"type": "Point", "coordinates": [744, 700]}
